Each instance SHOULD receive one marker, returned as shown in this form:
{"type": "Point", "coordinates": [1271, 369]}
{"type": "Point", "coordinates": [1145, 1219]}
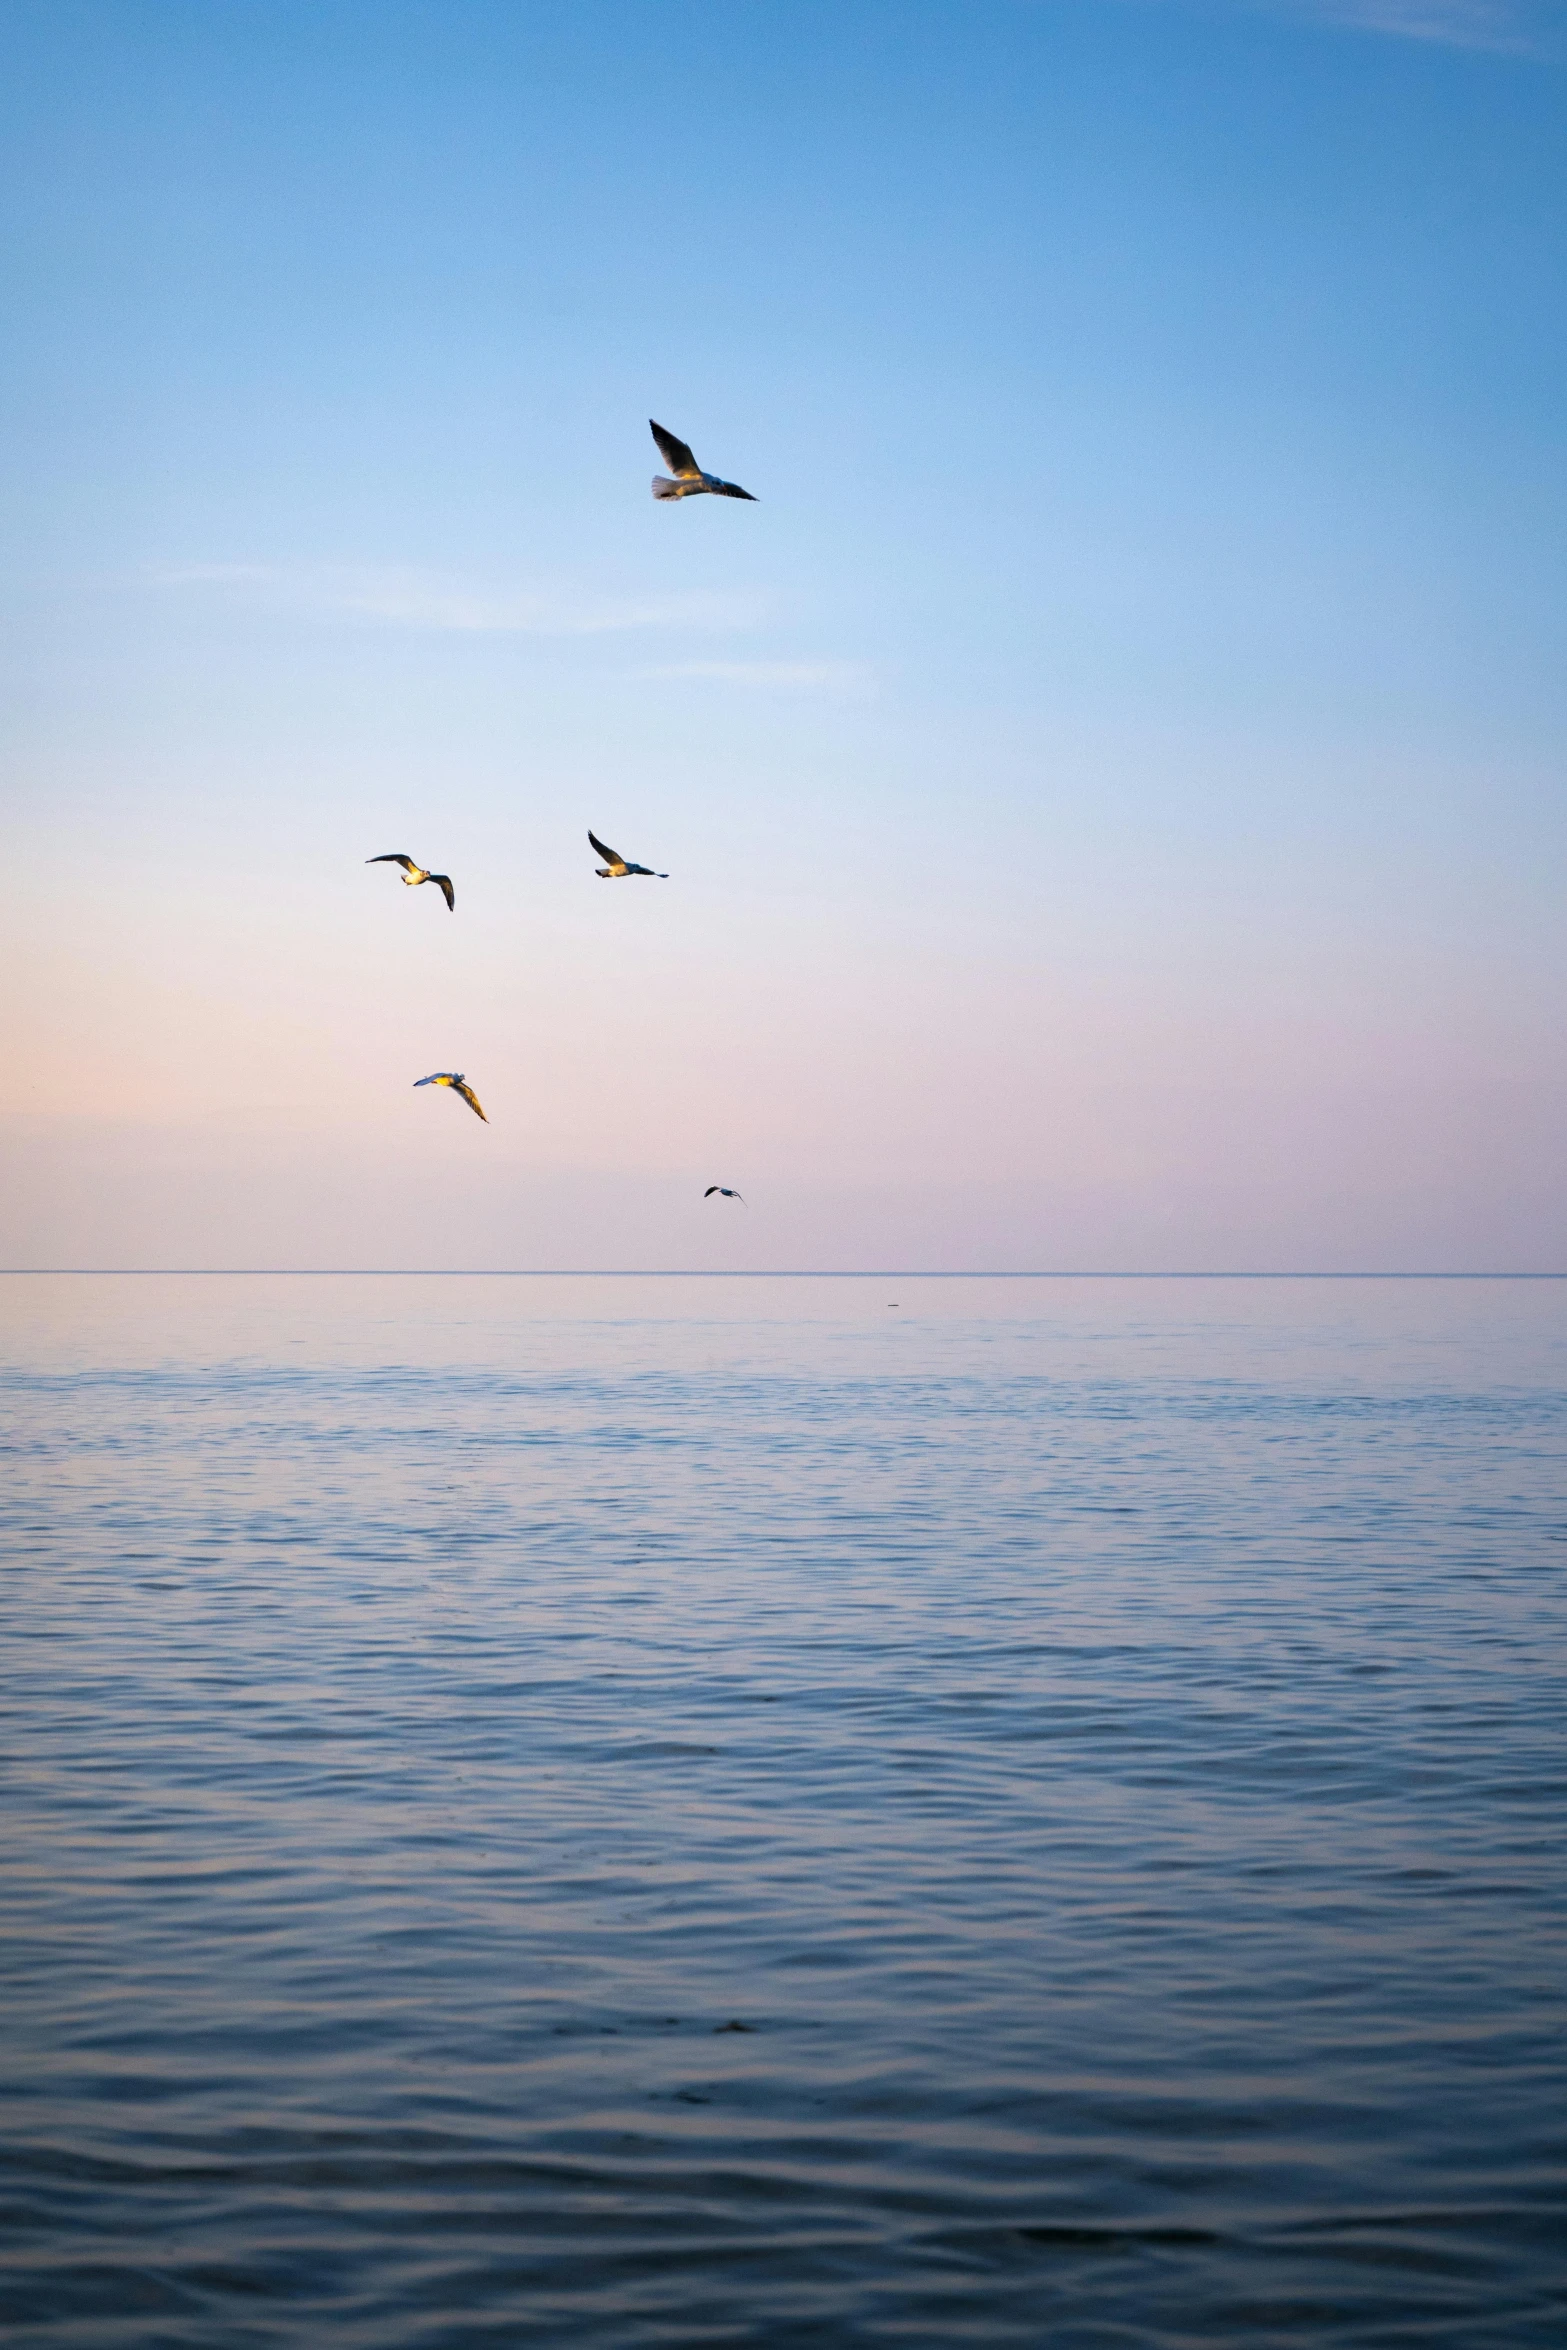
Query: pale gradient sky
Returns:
{"type": "Point", "coordinates": [1112, 781]}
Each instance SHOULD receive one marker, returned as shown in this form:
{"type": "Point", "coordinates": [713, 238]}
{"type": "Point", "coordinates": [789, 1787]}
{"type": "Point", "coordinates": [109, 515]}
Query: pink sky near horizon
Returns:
{"type": "Point", "coordinates": [247, 1098]}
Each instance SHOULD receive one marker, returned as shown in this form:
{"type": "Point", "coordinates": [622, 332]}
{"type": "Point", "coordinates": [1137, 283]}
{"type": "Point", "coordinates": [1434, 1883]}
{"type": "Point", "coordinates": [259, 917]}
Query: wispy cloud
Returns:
{"type": "Point", "coordinates": [1506, 27]}
{"type": "Point", "coordinates": [403, 597]}
{"type": "Point", "coordinates": [834, 676]}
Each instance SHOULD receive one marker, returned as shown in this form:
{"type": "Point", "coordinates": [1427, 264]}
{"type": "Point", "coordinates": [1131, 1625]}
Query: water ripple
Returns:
{"type": "Point", "coordinates": [634, 1815]}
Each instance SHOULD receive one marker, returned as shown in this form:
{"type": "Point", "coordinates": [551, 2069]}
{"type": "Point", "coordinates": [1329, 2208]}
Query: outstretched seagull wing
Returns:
{"type": "Point", "coordinates": [610, 856]}
{"type": "Point", "coordinates": [712, 1187]}
{"type": "Point", "coordinates": [443, 883]}
{"type": "Point", "coordinates": [458, 1083]}
{"type": "Point", "coordinates": [729, 489]}
{"type": "Point", "coordinates": [675, 454]}
{"type": "Point", "coordinates": [394, 857]}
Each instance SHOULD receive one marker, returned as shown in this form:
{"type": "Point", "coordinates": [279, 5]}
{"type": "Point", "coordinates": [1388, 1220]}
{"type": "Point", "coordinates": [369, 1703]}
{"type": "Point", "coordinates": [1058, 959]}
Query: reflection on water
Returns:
{"type": "Point", "coordinates": [675, 1812]}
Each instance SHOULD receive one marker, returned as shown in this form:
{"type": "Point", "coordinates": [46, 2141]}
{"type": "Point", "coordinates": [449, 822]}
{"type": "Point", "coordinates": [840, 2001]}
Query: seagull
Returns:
{"type": "Point", "coordinates": [690, 481]}
{"type": "Point", "coordinates": [615, 868]}
{"type": "Point", "coordinates": [413, 874]}
{"type": "Point", "coordinates": [723, 1192]}
{"type": "Point", "coordinates": [458, 1083]}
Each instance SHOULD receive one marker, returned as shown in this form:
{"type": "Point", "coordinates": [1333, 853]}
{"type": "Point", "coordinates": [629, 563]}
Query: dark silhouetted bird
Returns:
{"type": "Point", "coordinates": [723, 1192]}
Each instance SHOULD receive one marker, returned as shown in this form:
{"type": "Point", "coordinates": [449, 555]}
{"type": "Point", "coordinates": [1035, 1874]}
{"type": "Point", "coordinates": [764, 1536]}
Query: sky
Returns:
{"type": "Point", "coordinates": [1111, 781]}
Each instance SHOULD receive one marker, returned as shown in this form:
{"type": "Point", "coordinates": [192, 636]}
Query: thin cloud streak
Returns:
{"type": "Point", "coordinates": [805, 676]}
{"type": "Point", "coordinates": [402, 597]}
{"type": "Point", "coordinates": [1515, 28]}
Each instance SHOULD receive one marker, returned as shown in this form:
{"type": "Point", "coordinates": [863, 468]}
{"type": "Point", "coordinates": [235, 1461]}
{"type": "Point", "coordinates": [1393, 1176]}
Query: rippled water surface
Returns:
{"type": "Point", "coordinates": [713, 1812]}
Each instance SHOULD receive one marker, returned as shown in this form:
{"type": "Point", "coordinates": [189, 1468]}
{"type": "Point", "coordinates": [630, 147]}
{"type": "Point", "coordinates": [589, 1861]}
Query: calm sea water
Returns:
{"type": "Point", "coordinates": [718, 1812]}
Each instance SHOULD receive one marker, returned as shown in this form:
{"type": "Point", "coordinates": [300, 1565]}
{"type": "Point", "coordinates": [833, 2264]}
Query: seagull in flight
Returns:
{"type": "Point", "coordinates": [413, 874]}
{"type": "Point", "coordinates": [690, 481]}
{"type": "Point", "coordinates": [615, 868]}
{"type": "Point", "coordinates": [458, 1083]}
{"type": "Point", "coordinates": [723, 1192]}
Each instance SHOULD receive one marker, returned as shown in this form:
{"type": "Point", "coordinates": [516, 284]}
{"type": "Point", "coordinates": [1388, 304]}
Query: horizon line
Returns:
{"type": "Point", "coordinates": [737, 1273]}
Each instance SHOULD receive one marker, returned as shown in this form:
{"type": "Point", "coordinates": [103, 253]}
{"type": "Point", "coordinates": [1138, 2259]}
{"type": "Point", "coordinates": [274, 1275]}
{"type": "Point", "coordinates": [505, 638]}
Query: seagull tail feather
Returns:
{"type": "Point", "coordinates": [664, 488]}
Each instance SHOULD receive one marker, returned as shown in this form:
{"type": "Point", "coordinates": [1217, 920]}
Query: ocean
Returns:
{"type": "Point", "coordinates": [630, 1810]}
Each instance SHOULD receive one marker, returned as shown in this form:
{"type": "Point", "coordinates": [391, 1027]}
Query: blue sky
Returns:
{"type": "Point", "coordinates": [1111, 779]}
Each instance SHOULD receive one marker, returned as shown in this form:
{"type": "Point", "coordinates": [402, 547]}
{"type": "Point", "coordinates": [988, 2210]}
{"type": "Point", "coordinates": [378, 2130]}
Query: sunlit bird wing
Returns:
{"type": "Point", "coordinates": [675, 454]}
{"type": "Point", "coordinates": [443, 883]}
{"type": "Point", "coordinates": [458, 1083]}
{"type": "Point", "coordinates": [610, 856]}
{"type": "Point", "coordinates": [394, 857]}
